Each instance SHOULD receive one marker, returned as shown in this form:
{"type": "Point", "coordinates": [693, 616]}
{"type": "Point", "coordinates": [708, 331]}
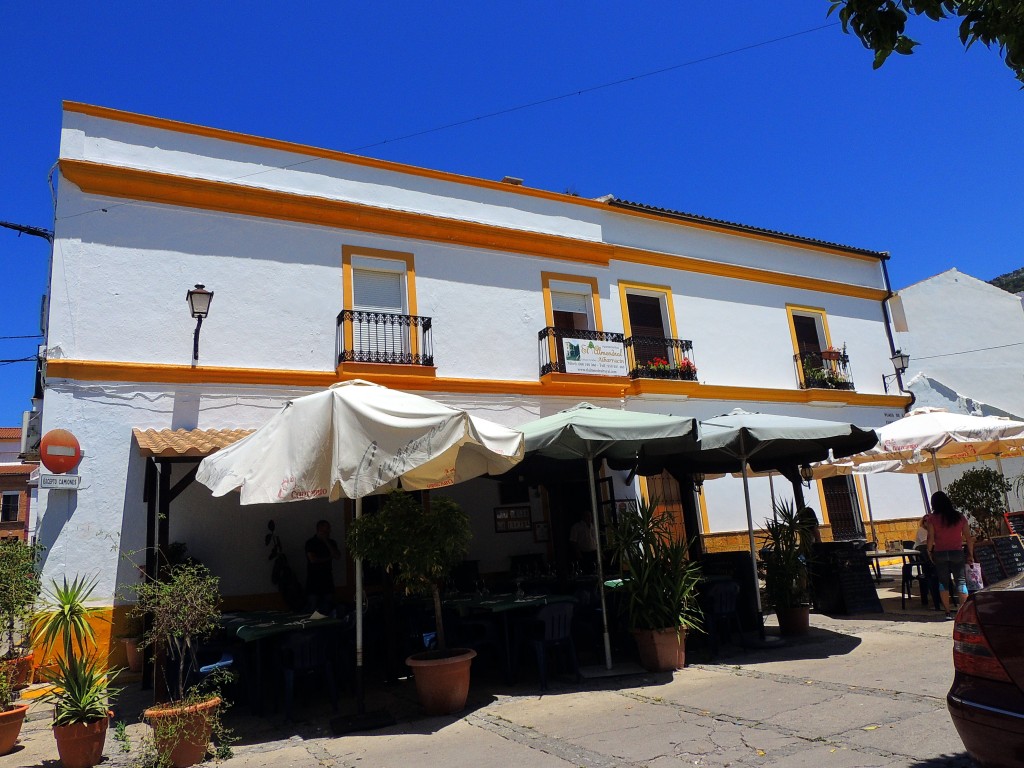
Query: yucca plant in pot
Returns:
{"type": "Point", "coordinates": [82, 693]}
{"type": "Point", "coordinates": [660, 584]}
{"type": "Point", "coordinates": [786, 556]}
{"type": "Point", "coordinates": [419, 545]}
{"type": "Point", "coordinates": [19, 590]}
{"type": "Point", "coordinates": [184, 609]}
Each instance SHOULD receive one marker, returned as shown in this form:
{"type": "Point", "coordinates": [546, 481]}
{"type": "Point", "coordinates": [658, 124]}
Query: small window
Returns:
{"type": "Point", "coordinates": [377, 291]}
{"type": "Point", "coordinates": [570, 310]}
{"type": "Point", "coordinates": [9, 507]}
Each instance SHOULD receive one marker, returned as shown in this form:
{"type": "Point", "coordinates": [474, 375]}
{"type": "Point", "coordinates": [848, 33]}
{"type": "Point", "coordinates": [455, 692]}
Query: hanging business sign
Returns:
{"type": "Point", "coordinates": [59, 451]}
{"type": "Point", "coordinates": [598, 358]}
{"type": "Point", "coordinates": [60, 482]}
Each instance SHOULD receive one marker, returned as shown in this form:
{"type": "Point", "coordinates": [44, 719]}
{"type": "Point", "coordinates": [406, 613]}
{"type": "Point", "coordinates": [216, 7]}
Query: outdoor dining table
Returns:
{"type": "Point", "coordinates": [255, 628]}
{"type": "Point", "coordinates": [503, 605]}
{"type": "Point", "coordinates": [905, 555]}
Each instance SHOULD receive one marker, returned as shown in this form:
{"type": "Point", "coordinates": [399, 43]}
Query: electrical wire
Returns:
{"type": "Point", "coordinates": [510, 110]}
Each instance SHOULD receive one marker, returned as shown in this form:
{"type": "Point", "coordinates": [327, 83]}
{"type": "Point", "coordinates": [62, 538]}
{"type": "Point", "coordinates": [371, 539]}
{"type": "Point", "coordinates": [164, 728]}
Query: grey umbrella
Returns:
{"type": "Point", "coordinates": [588, 432]}
{"type": "Point", "coordinates": [739, 441]}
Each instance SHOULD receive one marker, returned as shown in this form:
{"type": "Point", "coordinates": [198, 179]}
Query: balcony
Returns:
{"type": "Point", "coordinates": [653, 357]}
{"type": "Point", "coordinates": [829, 369]}
{"type": "Point", "coordinates": [553, 354]}
{"type": "Point", "coordinates": [383, 337]}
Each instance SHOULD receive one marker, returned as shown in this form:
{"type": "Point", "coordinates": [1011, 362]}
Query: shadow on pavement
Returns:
{"type": "Point", "coordinates": [961, 760]}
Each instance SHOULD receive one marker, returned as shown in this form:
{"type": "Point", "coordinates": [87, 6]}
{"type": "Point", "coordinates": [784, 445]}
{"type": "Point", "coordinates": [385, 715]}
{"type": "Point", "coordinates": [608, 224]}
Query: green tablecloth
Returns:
{"type": "Point", "coordinates": [256, 625]}
{"type": "Point", "coordinates": [503, 602]}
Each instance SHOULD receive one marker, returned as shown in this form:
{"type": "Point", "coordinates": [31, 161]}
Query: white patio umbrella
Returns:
{"type": "Point", "coordinates": [928, 438]}
{"type": "Point", "coordinates": [354, 440]}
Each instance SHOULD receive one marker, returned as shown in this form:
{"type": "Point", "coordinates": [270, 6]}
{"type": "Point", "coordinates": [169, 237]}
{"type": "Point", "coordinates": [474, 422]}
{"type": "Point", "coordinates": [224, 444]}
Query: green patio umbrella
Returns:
{"type": "Point", "coordinates": [589, 433]}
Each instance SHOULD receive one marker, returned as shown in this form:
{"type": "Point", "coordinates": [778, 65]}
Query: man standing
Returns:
{"type": "Point", "coordinates": [321, 551]}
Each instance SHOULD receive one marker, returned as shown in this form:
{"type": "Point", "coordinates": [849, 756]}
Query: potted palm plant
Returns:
{"type": "Point", "coordinates": [786, 557]}
{"type": "Point", "coordinates": [419, 545]}
{"type": "Point", "coordinates": [184, 609]}
{"type": "Point", "coordinates": [81, 694]}
{"type": "Point", "coordinates": [19, 589]}
{"type": "Point", "coordinates": [660, 585]}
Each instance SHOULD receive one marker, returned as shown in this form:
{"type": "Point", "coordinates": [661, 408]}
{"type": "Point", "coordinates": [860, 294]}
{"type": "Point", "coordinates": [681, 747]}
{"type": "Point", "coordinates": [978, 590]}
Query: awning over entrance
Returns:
{"type": "Point", "coordinates": [185, 443]}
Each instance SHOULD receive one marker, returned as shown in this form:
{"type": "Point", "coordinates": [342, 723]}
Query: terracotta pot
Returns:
{"type": "Point", "coordinates": [10, 726]}
{"type": "Point", "coordinates": [661, 650]}
{"type": "Point", "coordinates": [442, 679]}
{"type": "Point", "coordinates": [23, 668]}
{"type": "Point", "coordinates": [80, 745]}
{"type": "Point", "coordinates": [830, 355]}
{"type": "Point", "coordinates": [183, 733]}
{"type": "Point", "coordinates": [133, 654]}
{"type": "Point", "coordinates": [795, 620]}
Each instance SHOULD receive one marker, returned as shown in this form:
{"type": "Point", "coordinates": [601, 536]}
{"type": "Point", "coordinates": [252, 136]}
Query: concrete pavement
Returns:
{"type": "Point", "coordinates": [858, 691]}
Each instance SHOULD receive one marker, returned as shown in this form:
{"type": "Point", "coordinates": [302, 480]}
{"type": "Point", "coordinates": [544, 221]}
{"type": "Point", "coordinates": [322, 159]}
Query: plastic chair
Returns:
{"type": "Point", "coordinates": [912, 571]}
{"type": "Point", "coordinates": [307, 653]}
{"type": "Point", "coordinates": [553, 625]}
{"type": "Point", "coordinates": [722, 614]}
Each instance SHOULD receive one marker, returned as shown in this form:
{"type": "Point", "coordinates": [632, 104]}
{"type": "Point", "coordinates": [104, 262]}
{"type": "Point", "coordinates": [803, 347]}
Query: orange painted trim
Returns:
{"type": "Point", "coordinates": [177, 126]}
{"type": "Point", "coordinates": [753, 274]}
{"type": "Point", "coordinates": [226, 197]}
{"type": "Point", "coordinates": [414, 378]}
{"type": "Point", "coordinates": [546, 278]}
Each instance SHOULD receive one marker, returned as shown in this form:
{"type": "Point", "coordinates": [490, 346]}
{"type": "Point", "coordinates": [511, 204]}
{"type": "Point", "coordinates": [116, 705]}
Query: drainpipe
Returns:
{"type": "Point", "coordinates": [888, 330]}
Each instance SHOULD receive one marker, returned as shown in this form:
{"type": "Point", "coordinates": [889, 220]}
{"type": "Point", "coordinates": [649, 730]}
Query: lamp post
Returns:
{"type": "Point", "coordinates": [198, 299]}
{"type": "Point", "coordinates": [900, 361]}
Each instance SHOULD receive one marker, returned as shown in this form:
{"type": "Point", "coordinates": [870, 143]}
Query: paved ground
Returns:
{"type": "Point", "coordinates": [859, 691]}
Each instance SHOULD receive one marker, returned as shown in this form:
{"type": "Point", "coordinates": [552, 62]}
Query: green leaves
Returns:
{"type": "Point", "coordinates": [83, 692]}
{"type": "Point", "coordinates": [979, 493]}
{"type": "Point", "coordinates": [64, 619]}
{"type": "Point", "coordinates": [19, 587]}
{"type": "Point", "coordinates": [786, 555]}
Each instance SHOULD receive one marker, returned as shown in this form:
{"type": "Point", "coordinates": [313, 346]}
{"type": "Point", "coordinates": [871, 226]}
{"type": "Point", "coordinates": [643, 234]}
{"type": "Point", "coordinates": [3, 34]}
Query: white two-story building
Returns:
{"type": "Point", "coordinates": [507, 301]}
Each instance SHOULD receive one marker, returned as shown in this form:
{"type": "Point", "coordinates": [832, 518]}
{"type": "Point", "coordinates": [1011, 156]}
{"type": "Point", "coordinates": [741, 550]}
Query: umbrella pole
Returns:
{"type": "Point", "coordinates": [753, 548]}
{"type": "Point", "coordinates": [871, 517]}
{"type": "Point", "coordinates": [600, 566]}
{"type": "Point", "coordinates": [1006, 499]}
{"type": "Point", "coordinates": [360, 693]}
{"type": "Point", "coordinates": [935, 465]}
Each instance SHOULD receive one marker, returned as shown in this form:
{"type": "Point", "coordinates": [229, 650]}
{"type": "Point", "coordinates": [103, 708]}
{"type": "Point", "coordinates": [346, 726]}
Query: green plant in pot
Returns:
{"type": "Point", "coordinates": [82, 693]}
{"type": "Point", "coordinates": [19, 590]}
{"type": "Point", "coordinates": [660, 585]}
{"type": "Point", "coordinates": [183, 605]}
{"type": "Point", "coordinates": [419, 545]}
{"type": "Point", "coordinates": [12, 713]}
{"type": "Point", "coordinates": [786, 556]}
{"type": "Point", "coordinates": [979, 493]}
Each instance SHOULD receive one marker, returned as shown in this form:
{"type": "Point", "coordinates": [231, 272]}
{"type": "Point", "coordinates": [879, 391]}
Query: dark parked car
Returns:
{"type": "Point", "coordinates": [986, 700]}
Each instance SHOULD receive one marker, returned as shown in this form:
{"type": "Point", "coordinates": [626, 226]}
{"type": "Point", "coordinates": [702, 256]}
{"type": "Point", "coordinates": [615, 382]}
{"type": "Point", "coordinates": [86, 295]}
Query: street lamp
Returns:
{"type": "Point", "coordinates": [198, 299]}
{"type": "Point", "coordinates": [807, 474]}
{"type": "Point", "coordinates": [698, 480]}
{"type": "Point", "coordinates": [900, 361]}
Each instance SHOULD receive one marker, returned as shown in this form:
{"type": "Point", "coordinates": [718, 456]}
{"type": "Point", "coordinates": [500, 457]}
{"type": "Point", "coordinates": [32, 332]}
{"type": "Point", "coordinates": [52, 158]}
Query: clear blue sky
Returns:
{"type": "Point", "coordinates": [922, 158]}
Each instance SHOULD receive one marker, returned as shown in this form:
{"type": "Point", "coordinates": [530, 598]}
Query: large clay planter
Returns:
{"type": "Point", "coordinates": [183, 733]}
{"type": "Point", "coordinates": [10, 726]}
{"type": "Point", "coordinates": [23, 668]}
{"type": "Point", "coordinates": [81, 745]}
{"type": "Point", "coordinates": [661, 650]}
{"type": "Point", "coordinates": [442, 679]}
{"type": "Point", "coordinates": [133, 654]}
{"type": "Point", "coordinates": [794, 621]}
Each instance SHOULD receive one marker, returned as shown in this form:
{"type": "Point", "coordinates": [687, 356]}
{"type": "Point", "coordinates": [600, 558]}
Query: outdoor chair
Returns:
{"type": "Point", "coordinates": [912, 571]}
{"type": "Point", "coordinates": [303, 654]}
{"type": "Point", "coordinates": [551, 630]}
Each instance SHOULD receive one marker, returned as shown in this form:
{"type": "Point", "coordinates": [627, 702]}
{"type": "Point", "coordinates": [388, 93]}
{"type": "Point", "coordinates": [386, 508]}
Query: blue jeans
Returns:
{"type": "Point", "coordinates": [949, 565]}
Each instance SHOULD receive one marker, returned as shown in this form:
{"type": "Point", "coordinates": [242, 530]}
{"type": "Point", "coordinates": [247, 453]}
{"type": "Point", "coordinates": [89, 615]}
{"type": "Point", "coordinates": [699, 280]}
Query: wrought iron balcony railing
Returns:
{"type": "Point", "coordinates": [383, 337]}
{"type": "Point", "coordinates": [552, 349]}
{"type": "Point", "coordinates": [653, 357]}
{"type": "Point", "coordinates": [829, 369]}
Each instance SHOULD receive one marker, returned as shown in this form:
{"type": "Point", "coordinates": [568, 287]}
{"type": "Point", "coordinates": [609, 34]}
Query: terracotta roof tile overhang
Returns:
{"type": "Point", "coordinates": [185, 443]}
{"type": "Point", "coordinates": [795, 239]}
{"type": "Point", "coordinates": [10, 433]}
{"type": "Point", "coordinates": [17, 469]}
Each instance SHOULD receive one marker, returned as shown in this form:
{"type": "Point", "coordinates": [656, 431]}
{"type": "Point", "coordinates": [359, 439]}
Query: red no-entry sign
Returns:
{"type": "Point", "coordinates": [59, 451]}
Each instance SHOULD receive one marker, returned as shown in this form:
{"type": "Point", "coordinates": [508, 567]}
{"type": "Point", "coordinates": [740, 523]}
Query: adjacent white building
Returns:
{"type": "Point", "coordinates": [508, 301]}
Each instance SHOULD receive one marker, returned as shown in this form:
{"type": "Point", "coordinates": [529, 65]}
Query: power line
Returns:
{"type": "Point", "coordinates": [969, 351]}
{"type": "Point", "coordinates": [30, 336]}
{"type": "Point", "coordinates": [517, 108]}
{"type": "Point", "coordinates": [19, 360]}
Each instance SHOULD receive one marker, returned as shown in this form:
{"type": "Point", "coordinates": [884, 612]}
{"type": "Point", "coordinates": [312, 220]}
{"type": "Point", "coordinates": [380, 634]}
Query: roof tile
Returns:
{"type": "Point", "coordinates": [175, 443]}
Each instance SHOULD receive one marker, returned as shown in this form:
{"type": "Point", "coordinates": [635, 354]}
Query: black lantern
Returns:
{"type": "Point", "coordinates": [198, 299]}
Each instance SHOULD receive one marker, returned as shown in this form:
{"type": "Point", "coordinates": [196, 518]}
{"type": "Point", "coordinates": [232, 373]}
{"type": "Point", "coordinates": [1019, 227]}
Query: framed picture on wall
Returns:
{"type": "Point", "coordinates": [540, 532]}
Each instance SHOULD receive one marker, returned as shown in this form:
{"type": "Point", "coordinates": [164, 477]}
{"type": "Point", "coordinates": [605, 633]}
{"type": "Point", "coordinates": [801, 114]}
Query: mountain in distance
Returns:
{"type": "Point", "coordinates": [1013, 282]}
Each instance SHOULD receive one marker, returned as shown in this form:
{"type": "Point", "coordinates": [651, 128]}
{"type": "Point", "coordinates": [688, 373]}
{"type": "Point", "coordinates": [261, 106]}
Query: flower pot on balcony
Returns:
{"type": "Point", "coordinates": [830, 354]}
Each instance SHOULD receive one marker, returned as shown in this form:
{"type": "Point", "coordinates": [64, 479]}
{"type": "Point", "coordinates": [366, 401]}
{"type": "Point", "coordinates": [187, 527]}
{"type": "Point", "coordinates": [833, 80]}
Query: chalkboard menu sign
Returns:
{"type": "Point", "coordinates": [1015, 522]}
{"type": "Point", "coordinates": [991, 569]}
{"type": "Point", "coordinates": [1010, 552]}
{"type": "Point", "coordinates": [842, 581]}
